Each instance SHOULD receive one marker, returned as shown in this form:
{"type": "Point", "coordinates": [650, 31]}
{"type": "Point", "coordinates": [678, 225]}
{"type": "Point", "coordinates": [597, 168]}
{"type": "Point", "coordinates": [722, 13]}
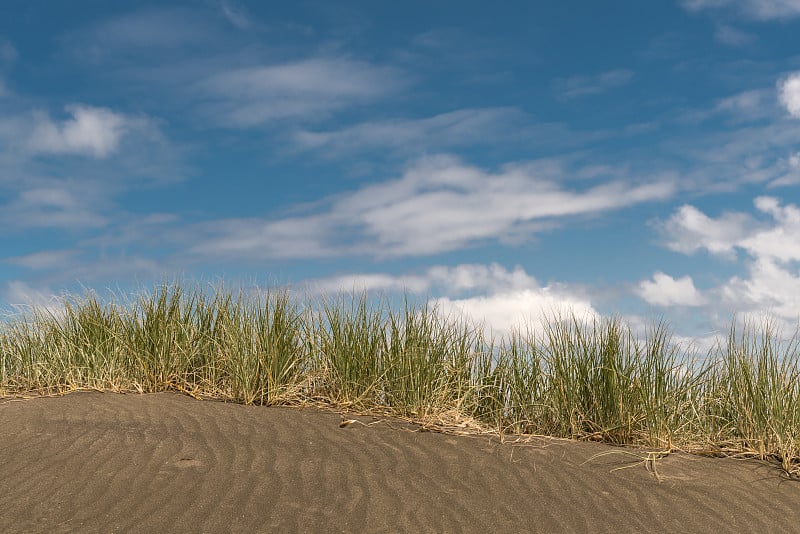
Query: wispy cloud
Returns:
{"type": "Point", "coordinates": [43, 260]}
{"type": "Point", "coordinates": [162, 28]}
{"type": "Point", "coordinates": [748, 105]}
{"type": "Point", "coordinates": [755, 146]}
{"type": "Point", "coordinates": [236, 14]}
{"type": "Point", "coordinates": [497, 128]}
{"type": "Point", "coordinates": [8, 56]}
{"type": "Point", "coordinates": [8, 53]}
{"type": "Point", "coordinates": [581, 85]}
{"type": "Point", "coordinates": [312, 236]}
{"type": "Point", "coordinates": [308, 89]}
{"type": "Point", "coordinates": [51, 207]}
{"type": "Point", "coordinates": [459, 280]}
{"type": "Point", "coordinates": [732, 36]}
{"type": "Point", "coordinates": [438, 205]}
{"type": "Point", "coordinates": [21, 296]}
{"type": "Point", "coordinates": [755, 9]}
{"type": "Point", "coordinates": [445, 130]}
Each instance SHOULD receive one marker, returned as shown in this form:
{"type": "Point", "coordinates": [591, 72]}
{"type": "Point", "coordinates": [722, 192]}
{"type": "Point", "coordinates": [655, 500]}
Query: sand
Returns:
{"type": "Point", "coordinates": [105, 462]}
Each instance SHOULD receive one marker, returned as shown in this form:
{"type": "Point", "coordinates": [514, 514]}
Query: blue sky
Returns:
{"type": "Point", "coordinates": [627, 157]}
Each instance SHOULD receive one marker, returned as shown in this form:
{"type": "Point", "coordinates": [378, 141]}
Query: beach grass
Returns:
{"type": "Point", "coordinates": [585, 379]}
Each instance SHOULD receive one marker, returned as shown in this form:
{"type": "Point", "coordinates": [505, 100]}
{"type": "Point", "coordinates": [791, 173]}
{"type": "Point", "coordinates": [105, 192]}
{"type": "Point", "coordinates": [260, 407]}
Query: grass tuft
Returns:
{"type": "Point", "coordinates": [580, 379]}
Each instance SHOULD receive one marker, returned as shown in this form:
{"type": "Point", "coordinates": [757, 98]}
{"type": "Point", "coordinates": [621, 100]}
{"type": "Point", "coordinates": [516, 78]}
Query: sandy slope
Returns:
{"type": "Point", "coordinates": [102, 462]}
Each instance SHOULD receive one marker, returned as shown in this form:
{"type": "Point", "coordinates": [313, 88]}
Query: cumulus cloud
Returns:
{"type": "Point", "coordinates": [91, 131]}
{"type": "Point", "coordinates": [664, 290]}
{"type": "Point", "coordinates": [525, 310]}
{"type": "Point", "coordinates": [690, 230]}
{"type": "Point", "coordinates": [789, 94]}
{"type": "Point", "coordinates": [498, 298]}
{"type": "Point", "coordinates": [781, 240]}
{"type": "Point", "coordinates": [438, 205]}
{"type": "Point", "coordinates": [769, 288]}
{"type": "Point", "coordinates": [255, 95]}
{"type": "Point", "coordinates": [772, 263]}
{"type": "Point", "coordinates": [579, 85]}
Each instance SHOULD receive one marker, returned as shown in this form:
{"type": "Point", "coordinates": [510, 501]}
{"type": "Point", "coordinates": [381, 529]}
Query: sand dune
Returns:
{"type": "Point", "coordinates": [104, 462]}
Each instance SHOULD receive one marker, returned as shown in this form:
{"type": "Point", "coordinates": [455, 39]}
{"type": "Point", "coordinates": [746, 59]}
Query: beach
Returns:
{"type": "Point", "coordinates": [107, 462]}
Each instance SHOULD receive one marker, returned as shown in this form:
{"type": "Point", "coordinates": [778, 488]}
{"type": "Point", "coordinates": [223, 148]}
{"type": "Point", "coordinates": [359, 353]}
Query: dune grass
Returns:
{"type": "Point", "coordinates": [580, 379]}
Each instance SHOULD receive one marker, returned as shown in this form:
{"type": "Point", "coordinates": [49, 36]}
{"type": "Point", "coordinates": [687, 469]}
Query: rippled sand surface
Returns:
{"type": "Point", "coordinates": [104, 462]}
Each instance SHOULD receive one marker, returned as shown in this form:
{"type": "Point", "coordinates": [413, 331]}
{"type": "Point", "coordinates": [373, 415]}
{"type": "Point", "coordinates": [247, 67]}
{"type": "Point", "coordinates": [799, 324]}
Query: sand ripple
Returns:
{"type": "Point", "coordinates": [102, 462]}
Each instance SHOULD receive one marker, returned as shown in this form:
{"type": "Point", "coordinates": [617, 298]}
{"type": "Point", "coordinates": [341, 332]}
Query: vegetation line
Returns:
{"type": "Point", "coordinates": [579, 379]}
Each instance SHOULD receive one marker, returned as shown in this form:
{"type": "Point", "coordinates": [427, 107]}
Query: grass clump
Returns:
{"type": "Point", "coordinates": [580, 379]}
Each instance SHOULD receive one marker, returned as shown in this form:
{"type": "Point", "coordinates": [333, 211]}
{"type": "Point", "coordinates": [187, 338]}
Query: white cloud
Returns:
{"type": "Point", "coordinates": [312, 236]}
{"type": "Point", "coordinates": [732, 36]}
{"type": "Point", "coordinates": [791, 171]}
{"type": "Point", "coordinates": [252, 96]}
{"type": "Point", "coordinates": [781, 242]}
{"type": "Point", "coordinates": [756, 9]}
{"type": "Point", "coordinates": [50, 207]}
{"type": "Point", "coordinates": [462, 278]}
{"type": "Point", "coordinates": [464, 126]}
{"type": "Point", "coordinates": [527, 309]}
{"type": "Point", "coordinates": [438, 205]}
{"type": "Point", "coordinates": [576, 86]}
{"type": "Point", "coordinates": [695, 5]}
{"type": "Point", "coordinates": [664, 290]}
{"type": "Point", "coordinates": [47, 259]}
{"type": "Point", "coordinates": [8, 53]}
{"type": "Point", "coordinates": [789, 94]}
{"type": "Point", "coordinates": [753, 104]}
{"type": "Point", "coordinates": [772, 248]}
{"type": "Point", "coordinates": [154, 28]}
{"type": "Point", "coordinates": [769, 288]}
{"type": "Point", "coordinates": [91, 131]}
{"type": "Point", "coordinates": [21, 296]}
{"type": "Point", "coordinates": [690, 230]}
{"type": "Point", "coordinates": [500, 299]}
{"type": "Point", "coordinates": [235, 14]}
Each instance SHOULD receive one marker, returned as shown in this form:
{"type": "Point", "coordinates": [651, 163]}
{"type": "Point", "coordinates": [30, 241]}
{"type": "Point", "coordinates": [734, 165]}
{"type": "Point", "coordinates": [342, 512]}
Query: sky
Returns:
{"type": "Point", "coordinates": [502, 161]}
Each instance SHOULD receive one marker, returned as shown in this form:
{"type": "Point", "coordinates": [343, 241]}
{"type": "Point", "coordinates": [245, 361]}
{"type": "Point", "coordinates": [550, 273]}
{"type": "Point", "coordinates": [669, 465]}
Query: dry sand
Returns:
{"type": "Point", "coordinates": [103, 462]}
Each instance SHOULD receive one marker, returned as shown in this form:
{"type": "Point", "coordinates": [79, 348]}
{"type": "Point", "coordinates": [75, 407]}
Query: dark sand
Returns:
{"type": "Point", "coordinates": [102, 462]}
